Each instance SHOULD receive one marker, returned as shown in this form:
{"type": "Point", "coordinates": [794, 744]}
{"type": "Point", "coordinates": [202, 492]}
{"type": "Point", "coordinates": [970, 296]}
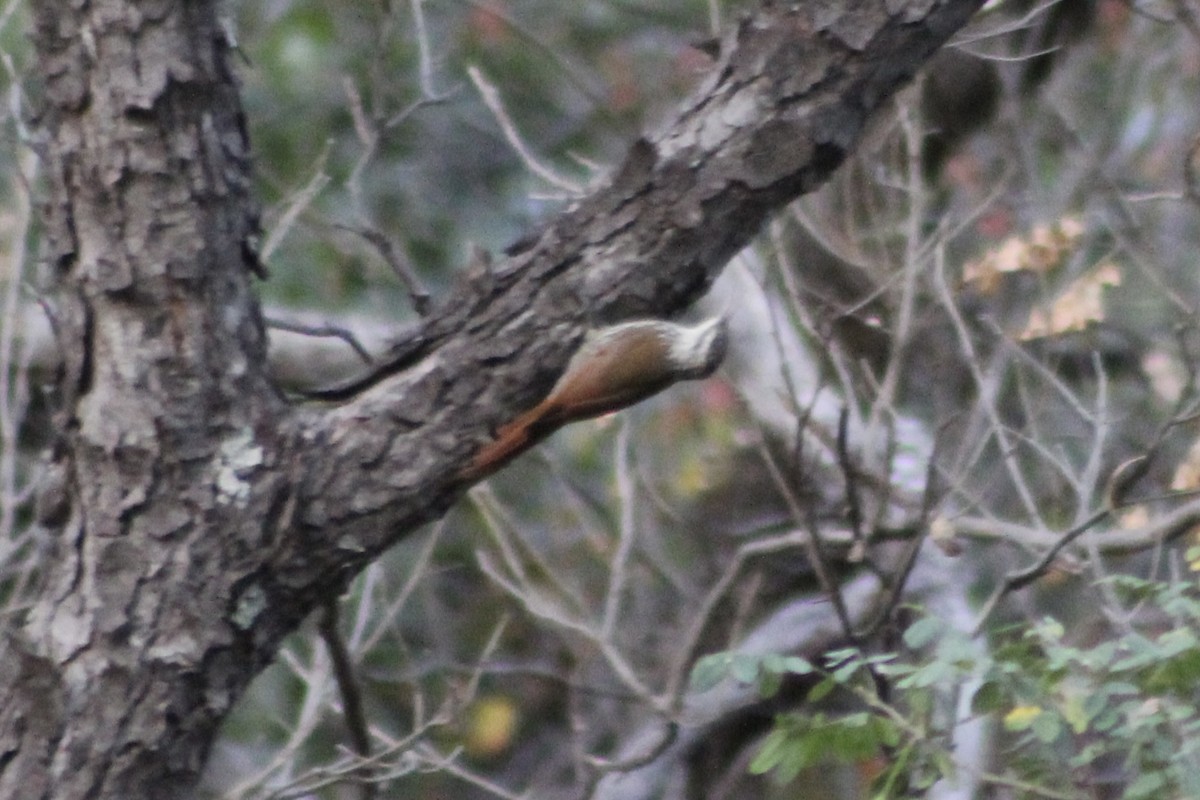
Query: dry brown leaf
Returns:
{"type": "Point", "coordinates": [1081, 304]}
{"type": "Point", "coordinates": [1136, 517]}
{"type": "Point", "coordinates": [1167, 375]}
{"type": "Point", "coordinates": [1043, 249]}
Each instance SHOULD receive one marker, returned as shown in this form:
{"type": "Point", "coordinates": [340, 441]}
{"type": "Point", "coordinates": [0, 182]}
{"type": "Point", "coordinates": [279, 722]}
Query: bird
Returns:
{"type": "Point", "coordinates": [614, 367]}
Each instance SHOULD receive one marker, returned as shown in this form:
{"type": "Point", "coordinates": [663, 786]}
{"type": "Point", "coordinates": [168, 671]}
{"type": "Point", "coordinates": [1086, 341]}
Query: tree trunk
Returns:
{"type": "Point", "coordinates": [129, 658]}
{"type": "Point", "coordinates": [196, 516]}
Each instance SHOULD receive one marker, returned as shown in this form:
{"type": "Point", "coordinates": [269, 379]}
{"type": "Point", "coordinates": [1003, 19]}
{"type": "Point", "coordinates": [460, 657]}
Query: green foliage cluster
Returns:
{"type": "Point", "coordinates": [1071, 713]}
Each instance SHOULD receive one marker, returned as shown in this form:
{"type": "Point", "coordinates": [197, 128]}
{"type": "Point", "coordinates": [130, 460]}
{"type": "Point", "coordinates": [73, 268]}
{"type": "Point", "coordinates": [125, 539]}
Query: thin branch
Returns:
{"type": "Point", "coordinates": [983, 387]}
{"type": "Point", "coordinates": [324, 330]}
{"type": "Point", "coordinates": [908, 560]}
{"type": "Point", "coordinates": [515, 551]}
{"type": "Point", "coordinates": [300, 202]}
{"type": "Point", "coordinates": [849, 472]}
{"type": "Point", "coordinates": [543, 608]}
{"type": "Point", "coordinates": [14, 374]}
{"type": "Point", "coordinates": [573, 74]}
{"type": "Point", "coordinates": [416, 571]}
{"type": "Point", "coordinates": [343, 672]}
{"type": "Point", "coordinates": [308, 715]}
{"type": "Point", "coordinates": [491, 97]}
{"type": "Point", "coordinates": [669, 735]}
{"type": "Point", "coordinates": [812, 543]}
{"type": "Point", "coordinates": [422, 300]}
{"type": "Point", "coordinates": [1023, 577]}
{"type": "Point", "coordinates": [449, 764]}
{"type": "Point", "coordinates": [424, 59]}
{"type": "Point", "coordinates": [627, 500]}
{"type": "Point", "coordinates": [685, 652]}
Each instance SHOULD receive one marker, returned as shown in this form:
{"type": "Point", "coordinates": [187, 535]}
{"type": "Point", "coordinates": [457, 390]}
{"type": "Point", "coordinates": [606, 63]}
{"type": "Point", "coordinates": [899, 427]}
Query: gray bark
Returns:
{"type": "Point", "coordinates": [197, 516]}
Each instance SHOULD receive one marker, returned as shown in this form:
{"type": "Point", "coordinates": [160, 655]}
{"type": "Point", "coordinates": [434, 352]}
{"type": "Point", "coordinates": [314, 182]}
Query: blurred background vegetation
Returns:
{"type": "Point", "coordinates": [349, 92]}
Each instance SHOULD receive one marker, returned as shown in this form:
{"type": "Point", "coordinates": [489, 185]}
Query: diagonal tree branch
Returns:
{"type": "Point", "coordinates": [783, 106]}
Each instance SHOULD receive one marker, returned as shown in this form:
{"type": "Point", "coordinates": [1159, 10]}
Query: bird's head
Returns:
{"type": "Point", "coordinates": [698, 350]}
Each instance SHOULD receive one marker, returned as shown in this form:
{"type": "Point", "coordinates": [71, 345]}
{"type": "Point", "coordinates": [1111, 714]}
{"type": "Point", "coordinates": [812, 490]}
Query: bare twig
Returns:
{"type": "Point", "coordinates": [417, 569]}
{"type": "Point", "coordinates": [908, 560]}
{"type": "Point", "coordinates": [332, 331]}
{"type": "Point", "coordinates": [343, 671]}
{"type": "Point", "coordinates": [515, 553]}
{"type": "Point", "coordinates": [422, 300]}
{"type": "Point", "coordinates": [577, 77]}
{"type": "Point", "coordinates": [669, 735]}
{"type": "Point", "coordinates": [314, 678]}
{"type": "Point", "coordinates": [850, 479]}
{"type": "Point", "coordinates": [491, 97]}
{"type": "Point", "coordinates": [812, 543]}
{"type": "Point", "coordinates": [302, 200]}
{"type": "Point", "coordinates": [985, 388]}
{"type": "Point", "coordinates": [685, 652]}
{"type": "Point", "coordinates": [627, 498]}
{"type": "Point", "coordinates": [1023, 577]}
{"type": "Point", "coordinates": [542, 607]}
{"type": "Point", "coordinates": [424, 59]}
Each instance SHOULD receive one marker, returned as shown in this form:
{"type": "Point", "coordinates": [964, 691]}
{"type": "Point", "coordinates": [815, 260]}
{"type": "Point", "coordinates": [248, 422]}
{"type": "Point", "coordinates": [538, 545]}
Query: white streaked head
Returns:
{"type": "Point", "coordinates": [697, 350]}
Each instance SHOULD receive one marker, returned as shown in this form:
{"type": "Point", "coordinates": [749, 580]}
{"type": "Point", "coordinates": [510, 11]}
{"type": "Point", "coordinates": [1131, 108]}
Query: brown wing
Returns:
{"type": "Point", "coordinates": [610, 376]}
{"type": "Point", "coordinates": [605, 377]}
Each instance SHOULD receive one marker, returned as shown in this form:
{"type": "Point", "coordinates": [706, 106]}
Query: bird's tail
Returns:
{"type": "Point", "coordinates": [513, 439]}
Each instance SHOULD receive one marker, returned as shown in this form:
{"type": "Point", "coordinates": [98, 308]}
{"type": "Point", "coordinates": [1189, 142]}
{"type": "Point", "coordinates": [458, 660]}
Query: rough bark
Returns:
{"type": "Point", "coordinates": [195, 516]}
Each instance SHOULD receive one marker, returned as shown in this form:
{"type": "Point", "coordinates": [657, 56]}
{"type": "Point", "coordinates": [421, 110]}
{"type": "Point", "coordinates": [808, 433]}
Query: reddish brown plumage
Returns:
{"type": "Point", "coordinates": [614, 368]}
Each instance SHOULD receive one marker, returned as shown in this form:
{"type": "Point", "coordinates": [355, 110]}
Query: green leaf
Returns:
{"type": "Point", "coordinates": [954, 647]}
{"type": "Point", "coordinates": [1179, 673]}
{"type": "Point", "coordinates": [773, 662]}
{"type": "Point", "coordinates": [770, 753]}
{"type": "Point", "coordinates": [859, 719]}
{"type": "Point", "coordinates": [1022, 718]}
{"type": "Point", "coordinates": [709, 671]}
{"type": "Point", "coordinates": [989, 697]}
{"type": "Point", "coordinates": [1099, 657]}
{"type": "Point", "coordinates": [1049, 630]}
{"type": "Point", "coordinates": [797, 665]}
{"type": "Point", "coordinates": [1177, 640]}
{"type": "Point", "coordinates": [890, 779]}
{"type": "Point", "coordinates": [922, 632]}
{"type": "Point", "coordinates": [769, 682]}
{"type": "Point", "coordinates": [795, 743]}
{"type": "Point", "coordinates": [1142, 652]}
{"type": "Point", "coordinates": [819, 692]}
{"type": "Point", "coordinates": [1075, 713]}
{"type": "Point", "coordinates": [744, 668]}
{"type": "Point", "coordinates": [889, 732]}
{"type": "Point", "coordinates": [1095, 704]}
{"type": "Point", "coordinates": [943, 763]}
{"type": "Point", "coordinates": [1106, 721]}
{"type": "Point", "coordinates": [896, 670]}
{"type": "Point", "coordinates": [846, 671]}
{"type": "Point", "coordinates": [1047, 728]}
{"type": "Point", "coordinates": [1149, 784]}
{"type": "Point", "coordinates": [797, 754]}
{"type": "Point", "coordinates": [935, 673]}
{"type": "Point", "coordinates": [1090, 753]}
